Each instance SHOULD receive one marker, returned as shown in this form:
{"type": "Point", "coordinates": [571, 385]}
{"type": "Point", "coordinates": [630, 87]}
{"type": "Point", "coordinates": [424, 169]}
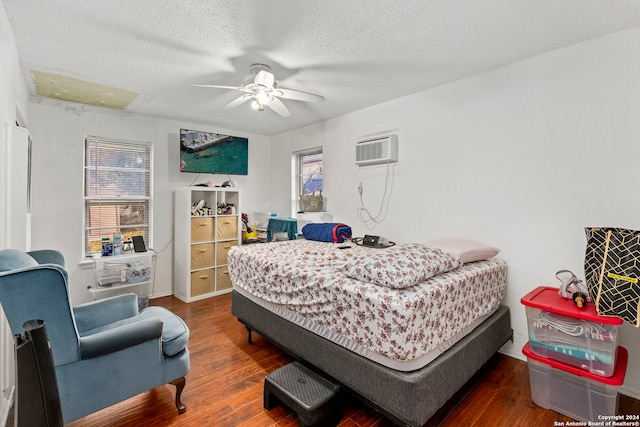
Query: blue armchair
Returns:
{"type": "Point", "coordinates": [104, 351]}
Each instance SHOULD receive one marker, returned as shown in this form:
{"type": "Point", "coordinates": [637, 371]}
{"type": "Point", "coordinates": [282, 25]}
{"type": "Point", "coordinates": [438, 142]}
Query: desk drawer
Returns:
{"type": "Point", "coordinates": [202, 230]}
{"type": "Point", "coordinates": [202, 282]}
{"type": "Point", "coordinates": [201, 256]}
{"type": "Point", "coordinates": [227, 227]}
{"type": "Point", "coordinates": [222, 250]}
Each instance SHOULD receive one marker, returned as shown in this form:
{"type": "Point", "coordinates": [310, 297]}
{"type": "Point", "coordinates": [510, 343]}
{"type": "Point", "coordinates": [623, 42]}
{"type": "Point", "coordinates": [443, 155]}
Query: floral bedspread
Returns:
{"type": "Point", "coordinates": [308, 278]}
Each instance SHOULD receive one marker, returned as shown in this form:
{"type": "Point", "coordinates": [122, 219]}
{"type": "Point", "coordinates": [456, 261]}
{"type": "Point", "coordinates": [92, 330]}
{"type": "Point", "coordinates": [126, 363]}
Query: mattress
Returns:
{"type": "Point", "coordinates": [404, 329]}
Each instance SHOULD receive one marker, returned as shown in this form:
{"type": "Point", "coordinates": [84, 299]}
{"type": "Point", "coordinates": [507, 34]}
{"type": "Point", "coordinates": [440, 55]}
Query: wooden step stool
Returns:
{"type": "Point", "coordinates": [313, 398]}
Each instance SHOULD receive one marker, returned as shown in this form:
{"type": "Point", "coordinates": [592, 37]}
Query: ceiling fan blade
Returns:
{"type": "Point", "coordinates": [240, 88]}
{"type": "Point", "coordinates": [237, 101]}
{"type": "Point", "coordinates": [276, 105]}
{"type": "Point", "coordinates": [265, 78]}
{"type": "Point", "coordinates": [298, 95]}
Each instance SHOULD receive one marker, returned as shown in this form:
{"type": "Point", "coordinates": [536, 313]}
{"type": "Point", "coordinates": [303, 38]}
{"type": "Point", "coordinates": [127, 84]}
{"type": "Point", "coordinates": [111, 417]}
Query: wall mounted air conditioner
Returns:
{"type": "Point", "coordinates": [373, 150]}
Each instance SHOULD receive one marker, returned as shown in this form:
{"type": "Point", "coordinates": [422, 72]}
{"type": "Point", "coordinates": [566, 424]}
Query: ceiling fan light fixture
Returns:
{"type": "Point", "coordinates": [261, 89]}
{"type": "Point", "coordinates": [262, 96]}
{"type": "Point", "coordinates": [256, 105]}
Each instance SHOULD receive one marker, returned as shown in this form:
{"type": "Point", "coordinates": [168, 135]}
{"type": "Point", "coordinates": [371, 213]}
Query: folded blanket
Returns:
{"type": "Point", "coordinates": [578, 353]}
{"type": "Point", "coordinates": [552, 336]}
{"type": "Point", "coordinates": [326, 232]}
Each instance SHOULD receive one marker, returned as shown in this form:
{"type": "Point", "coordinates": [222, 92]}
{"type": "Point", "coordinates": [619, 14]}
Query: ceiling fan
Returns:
{"type": "Point", "coordinates": [261, 89]}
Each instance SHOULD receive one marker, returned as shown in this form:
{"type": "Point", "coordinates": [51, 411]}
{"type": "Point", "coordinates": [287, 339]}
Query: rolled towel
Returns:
{"type": "Point", "coordinates": [326, 232]}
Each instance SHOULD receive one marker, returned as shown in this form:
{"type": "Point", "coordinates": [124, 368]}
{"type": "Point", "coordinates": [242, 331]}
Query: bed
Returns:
{"type": "Point", "coordinates": [402, 328]}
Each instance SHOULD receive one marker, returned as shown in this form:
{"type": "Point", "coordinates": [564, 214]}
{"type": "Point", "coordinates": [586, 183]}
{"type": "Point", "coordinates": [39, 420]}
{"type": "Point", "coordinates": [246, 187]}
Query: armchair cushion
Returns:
{"type": "Point", "coordinates": [13, 259]}
{"type": "Point", "coordinates": [175, 333]}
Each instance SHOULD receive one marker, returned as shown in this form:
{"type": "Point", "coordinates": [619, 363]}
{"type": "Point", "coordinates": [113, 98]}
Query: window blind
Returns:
{"type": "Point", "coordinates": [117, 190]}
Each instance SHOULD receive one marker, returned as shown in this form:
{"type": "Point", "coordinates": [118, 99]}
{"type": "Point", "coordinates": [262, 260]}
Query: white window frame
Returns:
{"type": "Point", "coordinates": [297, 169]}
{"type": "Point", "coordinates": [145, 148]}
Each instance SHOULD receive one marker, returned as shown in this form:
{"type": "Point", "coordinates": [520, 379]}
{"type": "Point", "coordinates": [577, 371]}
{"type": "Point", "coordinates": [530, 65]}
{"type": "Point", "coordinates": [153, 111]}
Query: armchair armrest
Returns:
{"type": "Point", "coordinates": [47, 256]}
{"type": "Point", "coordinates": [119, 338]}
{"type": "Point", "coordinates": [102, 312]}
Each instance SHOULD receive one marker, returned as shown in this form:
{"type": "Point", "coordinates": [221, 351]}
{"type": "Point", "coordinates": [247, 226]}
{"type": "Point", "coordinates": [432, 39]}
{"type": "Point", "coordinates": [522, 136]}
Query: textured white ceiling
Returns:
{"type": "Point", "coordinates": [354, 53]}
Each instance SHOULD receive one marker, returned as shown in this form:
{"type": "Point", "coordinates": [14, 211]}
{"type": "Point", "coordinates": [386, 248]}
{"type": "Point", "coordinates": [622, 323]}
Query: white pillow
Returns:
{"type": "Point", "coordinates": [467, 250]}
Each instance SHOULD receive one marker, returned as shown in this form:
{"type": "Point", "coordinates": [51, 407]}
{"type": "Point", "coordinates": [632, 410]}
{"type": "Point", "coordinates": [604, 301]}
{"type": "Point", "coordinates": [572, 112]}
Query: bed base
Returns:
{"type": "Point", "coordinates": [406, 398]}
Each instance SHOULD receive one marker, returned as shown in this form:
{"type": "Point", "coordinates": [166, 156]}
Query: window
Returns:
{"type": "Point", "coordinates": [309, 173]}
{"type": "Point", "coordinates": [117, 191]}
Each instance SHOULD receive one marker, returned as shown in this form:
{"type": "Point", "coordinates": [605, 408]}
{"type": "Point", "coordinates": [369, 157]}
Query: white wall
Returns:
{"type": "Point", "coordinates": [522, 157]}
{"type": "Point", "coordinates": [58, 136]}
{"type": "Point", "coordinates": [13, 101]}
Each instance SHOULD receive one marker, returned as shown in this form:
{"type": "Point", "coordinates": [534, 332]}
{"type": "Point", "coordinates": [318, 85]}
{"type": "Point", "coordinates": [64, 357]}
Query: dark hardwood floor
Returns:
{"type": "Point", "coordinates": [224, 386]}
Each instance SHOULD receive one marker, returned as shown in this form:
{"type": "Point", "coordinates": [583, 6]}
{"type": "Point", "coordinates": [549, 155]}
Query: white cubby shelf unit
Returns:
{"type": "Point", "coordinates": [207, 225]}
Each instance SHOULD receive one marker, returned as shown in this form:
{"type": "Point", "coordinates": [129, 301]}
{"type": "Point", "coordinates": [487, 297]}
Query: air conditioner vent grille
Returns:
{"type": "Point", "coordinates": [377, 150]}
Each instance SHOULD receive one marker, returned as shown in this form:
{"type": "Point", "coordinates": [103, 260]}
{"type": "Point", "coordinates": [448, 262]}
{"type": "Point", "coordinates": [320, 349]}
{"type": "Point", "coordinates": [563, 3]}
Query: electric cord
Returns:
{"type": "Point", "coordinates": [155, 255]}
{"type": "Point", "coordinates": [154, 261]}
{"type": "Point", "coordinates": [165, 246]}
{"type": "Point", "coordinates": [573, 327]}
{"type": "Point", "coordinates": [365, 215]}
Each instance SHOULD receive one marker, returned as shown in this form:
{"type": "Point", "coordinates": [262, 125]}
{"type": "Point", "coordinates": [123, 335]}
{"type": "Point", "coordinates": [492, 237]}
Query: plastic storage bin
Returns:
{"type": "Point", "coordinates": [572, 391]}
{"type": "Point", "coordinates": [123, 269]}
{"type": "Point", "coordinates": [262, 219]}
{"type": "Point", "coordinates": [560, 331]}
{"type": "Point", "coordinates": [120, 274]}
